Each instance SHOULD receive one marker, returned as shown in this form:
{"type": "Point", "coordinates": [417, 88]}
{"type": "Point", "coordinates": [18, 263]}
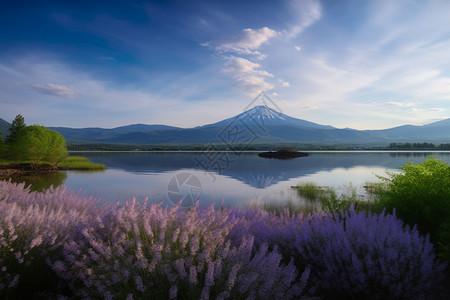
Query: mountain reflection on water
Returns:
{"type": "Point", "coordinates": [238, 179]}
{"type": "Point", "coordinates": [253, 170]}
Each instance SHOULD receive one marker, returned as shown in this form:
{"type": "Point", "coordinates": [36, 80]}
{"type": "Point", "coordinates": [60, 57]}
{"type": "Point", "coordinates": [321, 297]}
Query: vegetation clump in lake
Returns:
{"type": "Point", "coordinates": [79, 163]}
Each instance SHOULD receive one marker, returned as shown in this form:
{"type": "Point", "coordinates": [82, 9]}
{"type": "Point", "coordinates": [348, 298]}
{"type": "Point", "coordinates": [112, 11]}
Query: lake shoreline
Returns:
{"type": "Point", "coordinates": [25, 169]}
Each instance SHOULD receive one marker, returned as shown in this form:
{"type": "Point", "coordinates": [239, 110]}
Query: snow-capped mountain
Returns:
{"type": "Point", "coordinates": [263, 115]}
{"type": "Point", "coordinates": [259, 124]}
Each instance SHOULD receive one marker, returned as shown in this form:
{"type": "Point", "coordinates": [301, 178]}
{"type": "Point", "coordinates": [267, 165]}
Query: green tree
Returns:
{"type": "Point", "coordinates": [17, 124]}
{"type": "Point", "coordinates": [37, 144]}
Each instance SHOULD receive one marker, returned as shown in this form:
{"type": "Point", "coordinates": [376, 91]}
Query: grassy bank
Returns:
{"type": "Point", "coordinates": [80, 163]}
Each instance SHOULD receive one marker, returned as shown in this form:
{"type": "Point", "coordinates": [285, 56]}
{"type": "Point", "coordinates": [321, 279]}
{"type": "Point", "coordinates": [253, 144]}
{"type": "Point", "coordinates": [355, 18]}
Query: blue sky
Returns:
{"type": "Point", "coordinates": [350, 63]}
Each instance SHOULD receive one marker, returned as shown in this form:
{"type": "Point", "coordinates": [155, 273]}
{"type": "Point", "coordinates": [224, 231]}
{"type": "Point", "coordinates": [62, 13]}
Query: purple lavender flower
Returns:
{"type": "Point", "coordinates": [141, 251]}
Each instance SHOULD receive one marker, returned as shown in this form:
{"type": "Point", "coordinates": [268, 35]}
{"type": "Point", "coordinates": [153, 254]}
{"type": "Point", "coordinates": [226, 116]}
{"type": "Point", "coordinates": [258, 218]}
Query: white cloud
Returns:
{"type": "Point", "coordinates": [400, 104]}
{"type": "Point", "coordinates": [306, 13]}
{"type": "Point", "coordinates": [334, 83]}
{"type": "Point", "coordinates": [250, 79]}
{"type": "Point", "coordinates": [55, 90]}
{"type": "Point", "coordinates": [298, 48]}
{"type": "Point", "coordinates": [247, 43]}
{"type": "Point", "coordinates": [310, 107]}
{"type": "Point", "coordinates": [437, 109]}
{"type": "Point", "coordinates": [393, 69]}
{"type": "Point", "coordinates": [285, 84]}
{"type": "Point", "coordinates": [432, 109]}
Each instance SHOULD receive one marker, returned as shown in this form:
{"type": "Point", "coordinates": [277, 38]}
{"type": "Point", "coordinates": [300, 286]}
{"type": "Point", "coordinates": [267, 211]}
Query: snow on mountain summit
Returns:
{"type": "Point", "coordinates": [263, 116]}
{"type": "Point", "coordinates": [263, 112]}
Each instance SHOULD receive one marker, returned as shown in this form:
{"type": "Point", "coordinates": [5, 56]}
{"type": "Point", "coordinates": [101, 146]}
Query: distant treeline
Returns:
{"type": "Point", "coordinates": [204, 147]}
{"type": "Point", "coordinates": [418, 146]}
{"type": "Point", "coordinates": [252, 147]}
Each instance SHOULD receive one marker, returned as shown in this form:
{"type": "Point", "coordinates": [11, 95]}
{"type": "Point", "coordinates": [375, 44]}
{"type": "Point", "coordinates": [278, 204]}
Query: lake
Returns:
{"type": "Point", "coordinates": [236, 179]}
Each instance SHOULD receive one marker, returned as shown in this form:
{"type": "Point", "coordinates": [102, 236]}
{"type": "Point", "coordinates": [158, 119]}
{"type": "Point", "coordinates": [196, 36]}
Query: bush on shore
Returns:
{"type": "Point", "coordinates": [420, 195]}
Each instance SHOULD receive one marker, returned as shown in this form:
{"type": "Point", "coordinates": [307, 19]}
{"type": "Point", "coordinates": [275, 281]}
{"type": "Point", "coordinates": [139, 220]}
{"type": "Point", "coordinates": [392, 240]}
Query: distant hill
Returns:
{"type": "Point", "coordinates": [101, 135]}
{"type": "Point", "coordinates": [4, 128]}
{"type": "Point", "coordinates": [259, 124]}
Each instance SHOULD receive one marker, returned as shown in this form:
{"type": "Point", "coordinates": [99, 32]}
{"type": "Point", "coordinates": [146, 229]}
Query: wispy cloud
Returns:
{"type": "Point", "coordinates": [247, 43]}
{"type": "Point", "coordinates": [391, 69]}
{"type": "Point", "coordinates": [364, 64]}
{"type": "Point", "coordinates": [241, 51]}
{"type": "Point", "coordinates": [310, 107]}
{"type": "Point", "coordinates": [306, 13]}
{"type": "Point", "coordinates": [101, 103]}
{"type": "Point", "coordinates": [250, 78]}
{"type": "Point", "coordinates": [10, 71]}
{"type": "Point", "coordinates": [55, 90]}
{"type": "Point", "coordinates": [284, 83]}
{"type": "Point", "coordinates": [400, 104]}
{"type": "Point", "coordinates": [432, 109]}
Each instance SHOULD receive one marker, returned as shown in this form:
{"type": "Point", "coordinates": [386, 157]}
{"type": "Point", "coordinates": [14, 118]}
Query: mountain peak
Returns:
{"type": "Point", "coordinates": [261, 113]}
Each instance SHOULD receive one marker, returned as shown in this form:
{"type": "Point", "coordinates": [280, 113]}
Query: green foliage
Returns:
{"type": "Point", "coordinates": [37, 144]}
{"type": "Point", "coordinates": [420, 195]}
{"type": "Point", "coordinates": [80, 163]}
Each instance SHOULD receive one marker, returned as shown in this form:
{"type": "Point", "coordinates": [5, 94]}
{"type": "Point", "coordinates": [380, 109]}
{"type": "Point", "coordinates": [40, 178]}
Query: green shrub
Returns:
{"type": "Point", "coordinates": [420, 195]}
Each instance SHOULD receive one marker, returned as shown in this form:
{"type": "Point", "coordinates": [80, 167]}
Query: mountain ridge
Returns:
{"type": "Point", "coordinates": [259, 124]}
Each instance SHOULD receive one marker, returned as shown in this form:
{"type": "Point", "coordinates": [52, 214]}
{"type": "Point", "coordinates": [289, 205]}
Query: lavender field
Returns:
{"type": "Point", "coordinates": [58, 243]}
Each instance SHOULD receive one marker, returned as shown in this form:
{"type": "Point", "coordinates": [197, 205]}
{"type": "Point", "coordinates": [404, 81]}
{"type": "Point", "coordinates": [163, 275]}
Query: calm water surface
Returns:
{"type": "Point", "coordinates": [215, 177]}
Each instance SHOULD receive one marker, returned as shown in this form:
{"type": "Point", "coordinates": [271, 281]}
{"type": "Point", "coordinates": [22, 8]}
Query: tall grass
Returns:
{"type": "Point", "coordinates": [80, 163]}
{"type": "Point", "coordinates": [310, 191]}
{"type": "Point", "coordinates": [313, 198]}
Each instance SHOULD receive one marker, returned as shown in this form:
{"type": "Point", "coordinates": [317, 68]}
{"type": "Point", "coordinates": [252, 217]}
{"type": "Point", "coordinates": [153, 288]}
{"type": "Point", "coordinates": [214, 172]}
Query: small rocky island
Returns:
{"type": "Point", "coordinates": [283, 154]}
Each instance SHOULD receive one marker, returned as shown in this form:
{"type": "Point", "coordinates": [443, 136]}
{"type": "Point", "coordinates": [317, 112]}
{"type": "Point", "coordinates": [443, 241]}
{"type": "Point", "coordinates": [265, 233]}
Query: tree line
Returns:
{"type": "Point", "coordinates": [34, 144]}
{"type": "Point", "coordinates": [418, 146]}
